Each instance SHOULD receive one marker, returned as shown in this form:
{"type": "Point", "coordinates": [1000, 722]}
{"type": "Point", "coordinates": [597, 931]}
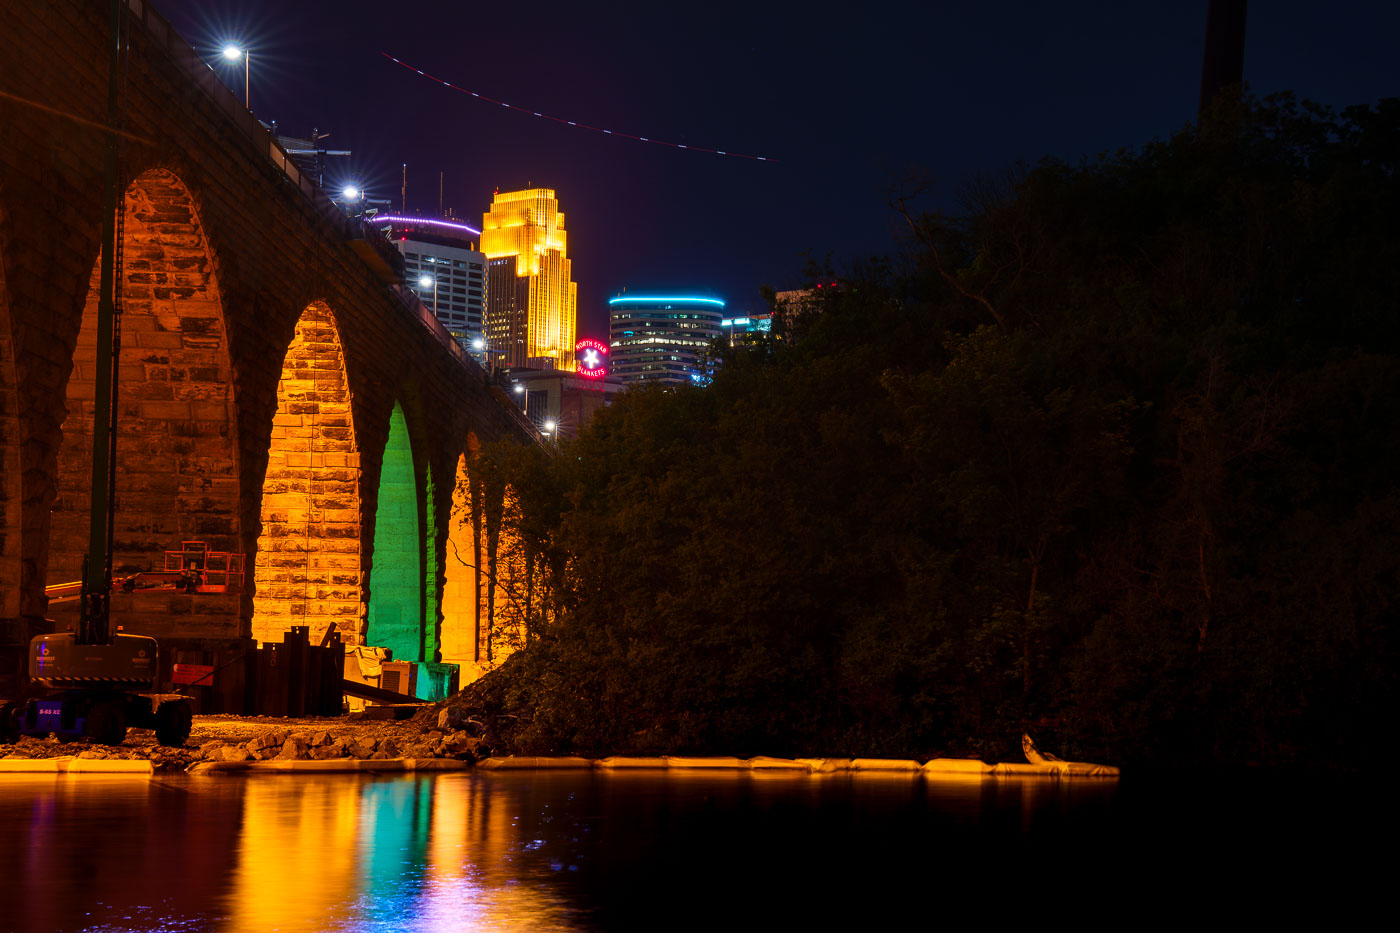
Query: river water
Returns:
{"type": "Point", "coordinates": [568, 851]}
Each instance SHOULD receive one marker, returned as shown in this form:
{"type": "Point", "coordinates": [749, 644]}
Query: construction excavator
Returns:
{"type": "Point", "coordinates": [97, 681]}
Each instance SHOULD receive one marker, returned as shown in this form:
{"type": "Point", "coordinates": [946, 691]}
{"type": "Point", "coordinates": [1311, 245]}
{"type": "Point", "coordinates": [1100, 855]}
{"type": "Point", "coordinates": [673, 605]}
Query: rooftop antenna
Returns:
{"type": "Point", "coordinates": [440, 194]}
{"type": "Point", "coordinates": [403, 192]}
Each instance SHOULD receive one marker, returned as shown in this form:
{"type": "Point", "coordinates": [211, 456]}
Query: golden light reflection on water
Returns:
{"type": "Point", "coordinates": [296, 854]}
{"type": "Point", "coordinates": [335, 854]}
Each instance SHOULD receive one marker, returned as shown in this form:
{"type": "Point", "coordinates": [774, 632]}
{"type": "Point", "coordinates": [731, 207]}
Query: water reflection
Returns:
{"type": "Point", "coordinates": [336, 853]}
{"type": "Point", "coordinates": [110, 851]}
{"type": "Point", "coordinates": [297, 856]}
{"type": "Point", "coordinates": [569, 851]}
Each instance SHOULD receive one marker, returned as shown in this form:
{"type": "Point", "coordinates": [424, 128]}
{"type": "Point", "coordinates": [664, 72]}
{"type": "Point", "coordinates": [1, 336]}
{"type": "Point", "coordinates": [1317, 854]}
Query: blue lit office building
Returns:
{"type": "Point", "coordinates": [662, 338]}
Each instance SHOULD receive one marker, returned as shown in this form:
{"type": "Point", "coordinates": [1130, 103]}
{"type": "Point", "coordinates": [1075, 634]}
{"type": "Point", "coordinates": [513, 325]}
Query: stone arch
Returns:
{"type": "Point", "coordinates": [307, 567]}
{"type": "Point", "coordinates": [396, 598]}
{"type": "Point", "coordinates": [177, 451]}
{"type": "Point", "coordinates": [462, 641]}
{"type": "Point", "coordinates": [11, 491]}
{"type": "Point", "coordinates": [508, 591]}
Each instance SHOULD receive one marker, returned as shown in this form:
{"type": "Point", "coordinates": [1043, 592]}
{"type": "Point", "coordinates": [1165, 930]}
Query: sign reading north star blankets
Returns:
{"type": "Point", "coordinates": [592, 358]}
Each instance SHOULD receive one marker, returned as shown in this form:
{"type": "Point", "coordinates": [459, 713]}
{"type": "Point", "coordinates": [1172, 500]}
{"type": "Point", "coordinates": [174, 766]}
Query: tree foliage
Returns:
{"type": "Point", "coordinates": [1112, 458]}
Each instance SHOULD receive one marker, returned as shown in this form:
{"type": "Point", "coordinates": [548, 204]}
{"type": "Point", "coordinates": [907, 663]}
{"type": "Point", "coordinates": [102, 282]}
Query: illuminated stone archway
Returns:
{"type": "Point", "coordinates": [462, 643]}
{"type": "Point", "coordinates": [396, 596]}
{"type": "Point", "coordinates": [307, 567]}
{"type": "Point", "coordinates": [177, 455]}
{"type": "Point", "coordinates": [508, 593]}
{"type": "Point", "coordinates": [11, 492]}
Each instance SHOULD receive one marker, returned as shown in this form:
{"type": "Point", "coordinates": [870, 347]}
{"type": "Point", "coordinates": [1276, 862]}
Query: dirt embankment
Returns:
{"type": "Point", "coordinates": [429, 734]}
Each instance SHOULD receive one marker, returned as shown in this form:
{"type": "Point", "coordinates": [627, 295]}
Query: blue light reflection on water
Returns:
{"type": "Point", "coordinates": [562, 851]}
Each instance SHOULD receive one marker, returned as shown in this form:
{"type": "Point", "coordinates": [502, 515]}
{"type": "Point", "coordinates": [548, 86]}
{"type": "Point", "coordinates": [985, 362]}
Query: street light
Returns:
{"type": "Point", "coordinates": [423, 282]}
{"type": "Point", "coordinates": [489, 356]}
{"type": "Point", "coordinates": [233, 53]}
{"type": "Point", "coordinates": [353, 199]}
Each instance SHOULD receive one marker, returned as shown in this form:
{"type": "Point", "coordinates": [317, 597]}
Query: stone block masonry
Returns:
{"type": "Point", "coordinates": [307, 567]}
{"type": "Point", "coordinates": [242, 422]}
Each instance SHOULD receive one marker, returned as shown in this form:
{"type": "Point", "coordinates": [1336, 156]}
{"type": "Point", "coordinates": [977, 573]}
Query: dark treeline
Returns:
{"type": "Point", "coordinates": [1112, 458]}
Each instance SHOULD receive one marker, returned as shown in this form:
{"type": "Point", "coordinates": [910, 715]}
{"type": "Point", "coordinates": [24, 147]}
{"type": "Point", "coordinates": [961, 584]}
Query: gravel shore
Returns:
{"type": "Point", "coordinates": [428, 734]}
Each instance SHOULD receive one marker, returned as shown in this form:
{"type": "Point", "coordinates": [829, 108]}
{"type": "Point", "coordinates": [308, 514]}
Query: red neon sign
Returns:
{"type": "Point", "coordinates": [592, 358]}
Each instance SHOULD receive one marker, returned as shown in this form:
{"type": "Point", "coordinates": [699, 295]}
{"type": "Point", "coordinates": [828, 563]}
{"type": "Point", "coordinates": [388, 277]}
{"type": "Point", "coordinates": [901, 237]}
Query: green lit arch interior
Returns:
{"type": "Point", "coordinates": [396, 597]}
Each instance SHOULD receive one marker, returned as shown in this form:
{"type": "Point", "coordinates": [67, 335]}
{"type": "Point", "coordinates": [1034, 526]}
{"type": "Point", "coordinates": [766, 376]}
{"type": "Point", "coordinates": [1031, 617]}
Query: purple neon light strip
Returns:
{"type": "Point", "coordinates": [583, 126]}
{"type": "Point", "coordinates": [396, 218]}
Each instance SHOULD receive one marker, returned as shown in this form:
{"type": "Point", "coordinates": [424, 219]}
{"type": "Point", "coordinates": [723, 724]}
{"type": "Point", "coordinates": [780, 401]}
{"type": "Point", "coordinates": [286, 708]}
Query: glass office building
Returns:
{"type": "Point", "coordinates": [444, 268]}
{"type": "Point", "coordinates": [662, 338]}
{"type": "Point", "coordinates": [532, 311]}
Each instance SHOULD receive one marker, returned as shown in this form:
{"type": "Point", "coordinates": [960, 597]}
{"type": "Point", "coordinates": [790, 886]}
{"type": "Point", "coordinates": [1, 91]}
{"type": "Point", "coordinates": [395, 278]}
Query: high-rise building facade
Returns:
{"type": "Point", "coordinates": [662, 338]}
{"type": "Point", "coordinates": [532, 303]}
{"type": "Point", "coordinates": [445, 270]}
{"type": "Point", "coordinates": [791, 307]}
{"type": "Point", "coordinates": [746, 328]}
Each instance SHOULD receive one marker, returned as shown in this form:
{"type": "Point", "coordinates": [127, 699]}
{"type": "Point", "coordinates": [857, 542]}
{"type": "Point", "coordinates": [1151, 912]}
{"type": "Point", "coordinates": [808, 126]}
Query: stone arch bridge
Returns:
{"type": "Point", "coordinates": [279, 394]}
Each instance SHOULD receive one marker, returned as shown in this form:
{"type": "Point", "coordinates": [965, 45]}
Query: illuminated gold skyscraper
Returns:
{"type": "Point", "coordinates": [531, 302]}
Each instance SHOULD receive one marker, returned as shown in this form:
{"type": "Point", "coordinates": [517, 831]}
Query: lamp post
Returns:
{"type": "Point", "coordinates": [480, 346]}
{"type": "Point", "coordinates": [351, 194]}
{"type": "Point", "coordinates": [233, 53]}
{"type": "Point", "coordinates": [423, 282]}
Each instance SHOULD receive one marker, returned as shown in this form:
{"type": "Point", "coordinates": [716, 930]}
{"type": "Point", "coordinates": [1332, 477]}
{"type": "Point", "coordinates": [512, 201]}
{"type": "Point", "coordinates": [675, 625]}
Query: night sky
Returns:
{"type": "Point", "coordinates": [845, 99]}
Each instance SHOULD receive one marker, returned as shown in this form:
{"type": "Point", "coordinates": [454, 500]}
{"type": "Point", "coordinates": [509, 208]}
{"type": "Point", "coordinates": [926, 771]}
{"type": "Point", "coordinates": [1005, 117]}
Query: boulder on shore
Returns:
{"type": "Point", "coordinates": [360, 748]}
{"type": "Point", "coordinates": [335, 749]}
{"type": "Point", "coordinates": [294, 749]}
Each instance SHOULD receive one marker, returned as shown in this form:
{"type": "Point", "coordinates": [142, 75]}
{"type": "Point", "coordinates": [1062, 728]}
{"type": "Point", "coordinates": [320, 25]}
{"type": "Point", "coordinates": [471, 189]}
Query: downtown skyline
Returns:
{"type": "Point", "coordinates": [845, 108]}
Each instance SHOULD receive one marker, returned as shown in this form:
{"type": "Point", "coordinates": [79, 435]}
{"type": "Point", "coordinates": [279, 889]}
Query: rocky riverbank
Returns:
{"type": "Point", "coordinates": [432, 733]}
